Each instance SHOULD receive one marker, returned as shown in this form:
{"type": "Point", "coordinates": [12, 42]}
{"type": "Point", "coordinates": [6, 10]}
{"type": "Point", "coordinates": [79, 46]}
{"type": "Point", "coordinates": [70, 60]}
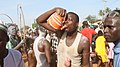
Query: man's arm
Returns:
{"type": "Point", "coordinates": [42, 19]}
{"type": "Point", "coordinates": [20, 44]}
{"type": "Point", "coordinates": [31, 59]}
{"type": "Point", "coordinates": [47, 46]}
{"type": "Point", "coordinates": [84, 49]}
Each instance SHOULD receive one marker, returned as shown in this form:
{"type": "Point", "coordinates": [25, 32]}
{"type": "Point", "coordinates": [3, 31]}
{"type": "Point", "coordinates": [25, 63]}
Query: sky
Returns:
{"type": "Point", "coordinates": [33, 8]}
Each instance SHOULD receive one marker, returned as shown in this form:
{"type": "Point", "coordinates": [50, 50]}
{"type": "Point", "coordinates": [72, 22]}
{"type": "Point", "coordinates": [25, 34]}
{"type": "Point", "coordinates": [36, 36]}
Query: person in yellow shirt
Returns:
{"type": "Point", "coordinates": [101, 49]}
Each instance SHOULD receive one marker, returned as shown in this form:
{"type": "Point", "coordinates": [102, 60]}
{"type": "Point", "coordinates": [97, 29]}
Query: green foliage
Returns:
{"type": "Point", "coordinates": [34, 25]}
{"type": "Point", "coordinates": [103, 12]}
{"type": "Point", "coordinates": [91, 19]}
{"type": "Point", "coordinates": [117, 8]}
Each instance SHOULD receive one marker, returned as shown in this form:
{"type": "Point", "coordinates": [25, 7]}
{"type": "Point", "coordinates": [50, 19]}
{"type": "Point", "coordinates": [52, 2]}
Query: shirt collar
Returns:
{"type": "Point", "coordinates": [117, 48]}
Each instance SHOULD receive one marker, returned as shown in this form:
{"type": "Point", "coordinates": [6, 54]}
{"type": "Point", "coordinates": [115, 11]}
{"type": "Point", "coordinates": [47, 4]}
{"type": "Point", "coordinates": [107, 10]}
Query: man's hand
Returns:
{"type": "Point", "coordinates": [60, 11]}
{"type": "Point", "coordinates": [23, 41]}
{"type": "Point", "coordinates": [68, 63]}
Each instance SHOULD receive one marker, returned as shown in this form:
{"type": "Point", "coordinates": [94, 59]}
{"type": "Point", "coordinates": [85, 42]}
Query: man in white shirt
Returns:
{"type": "Point", "coordinates": [41, 49]}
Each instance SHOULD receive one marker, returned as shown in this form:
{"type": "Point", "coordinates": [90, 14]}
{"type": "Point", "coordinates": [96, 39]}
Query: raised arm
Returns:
{"type": "Point", "coordinates": [42, 19]}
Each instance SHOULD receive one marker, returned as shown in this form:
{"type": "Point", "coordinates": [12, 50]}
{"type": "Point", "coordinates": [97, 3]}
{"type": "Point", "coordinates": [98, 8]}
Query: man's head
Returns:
{"type": "Point", "coordinates": [100, 33]}
{"type": "Point", "coordinates": [3, 37]}
{"type": "Point", "coordinates": [112, 26]}
{"type": "Point", "coordinates": [12, 29]}
{"type": "Point", "coordinates": [85, 24]}
{"type": "Point", "coordinates": [42, 31]}
{"type": "Point", "coordinates": [72, 21]}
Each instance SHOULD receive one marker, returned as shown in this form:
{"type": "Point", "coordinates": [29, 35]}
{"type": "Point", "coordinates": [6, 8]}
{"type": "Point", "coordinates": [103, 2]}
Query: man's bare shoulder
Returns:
{"type": "Point", "coordinates": [84, 43]}
{"type": "Point", "coordinates": [46, 43]}
{"type": "Point", "coordinates": [30, 52]}
{"type": "Point", "coordinates": [84, 39]}
{"type": "Point", "coordinates": [42, 42]}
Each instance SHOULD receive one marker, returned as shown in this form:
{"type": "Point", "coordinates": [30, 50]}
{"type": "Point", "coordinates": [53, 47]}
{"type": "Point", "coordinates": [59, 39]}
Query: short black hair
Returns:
{"type": "Point", "coordinates": [4, 29]}
{"type": "Point", "coordinates": [117, 11]}
{"type": "Point", "coordinates": [114, 13]}
{"type": "Point", "coordinates": [100, 33]}
{"type": "Point", "coordinates": [77, 17]}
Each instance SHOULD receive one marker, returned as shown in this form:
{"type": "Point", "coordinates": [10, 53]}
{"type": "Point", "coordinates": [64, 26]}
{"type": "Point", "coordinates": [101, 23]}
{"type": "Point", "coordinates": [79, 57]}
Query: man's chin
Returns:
{"type": "Point", "coordinates": [108, 40]}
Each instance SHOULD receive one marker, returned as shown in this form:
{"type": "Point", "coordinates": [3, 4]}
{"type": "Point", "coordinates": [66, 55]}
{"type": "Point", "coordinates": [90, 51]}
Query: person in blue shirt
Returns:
{"type": "Point", "coordinates": [112, 33]}
{"type": "Point", "coordinates": [8, 57]}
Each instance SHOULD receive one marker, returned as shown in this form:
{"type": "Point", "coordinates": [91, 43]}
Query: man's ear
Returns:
{"type": "Point", "coordinates": [77, 24]}
{"type": "Point", "coordinates": [7, 38]}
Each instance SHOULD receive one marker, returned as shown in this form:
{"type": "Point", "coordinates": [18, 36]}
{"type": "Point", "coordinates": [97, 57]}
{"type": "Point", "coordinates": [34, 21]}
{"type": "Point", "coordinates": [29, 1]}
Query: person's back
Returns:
{"type": "Point", "coordinates": [100, 44]}
{"type": "Point", "coordinates": [40, 56]}
{"type": "Point", "coordinates": [101, 49]}
{"type": "Point", "coordinates": [41, 49]}
{"type": "Point", "coordinates": [31, 58]}
{"type": "Point", "coordinates": [13, 59]}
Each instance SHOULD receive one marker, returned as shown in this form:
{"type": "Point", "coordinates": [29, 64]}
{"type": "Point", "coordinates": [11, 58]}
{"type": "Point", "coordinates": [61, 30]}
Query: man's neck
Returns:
{"type": "Point", "coordinates": [116, 42]}
{"type": "Point", "coordinates": [72, 35]}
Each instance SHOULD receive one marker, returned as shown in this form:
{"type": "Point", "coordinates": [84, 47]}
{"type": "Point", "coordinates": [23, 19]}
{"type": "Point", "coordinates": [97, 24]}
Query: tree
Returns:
{"type": "Point", "coordinates": [117, 8]}
{"type": "Point", "coordinates": [91, 19]}
{"type": "Point", "coordinates": [34, 25]}
{"type": "Point", "coordinates": [107, 10]}
{"type": "Point", "coordinates": [103, 12]}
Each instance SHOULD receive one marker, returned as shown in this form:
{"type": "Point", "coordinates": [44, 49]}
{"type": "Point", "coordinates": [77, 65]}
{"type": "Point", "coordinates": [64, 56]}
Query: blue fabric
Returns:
{"type": "Point", "coordinates": [117, 55]}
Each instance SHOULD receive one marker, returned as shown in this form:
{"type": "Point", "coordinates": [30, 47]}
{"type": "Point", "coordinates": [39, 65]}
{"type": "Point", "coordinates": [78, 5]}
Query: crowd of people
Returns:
{"type": "Point", "coordinates": [70, 46]}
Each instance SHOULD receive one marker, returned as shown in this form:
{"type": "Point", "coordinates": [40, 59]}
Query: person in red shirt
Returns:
{"type": "Point", "coordinates": [88, 32]}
